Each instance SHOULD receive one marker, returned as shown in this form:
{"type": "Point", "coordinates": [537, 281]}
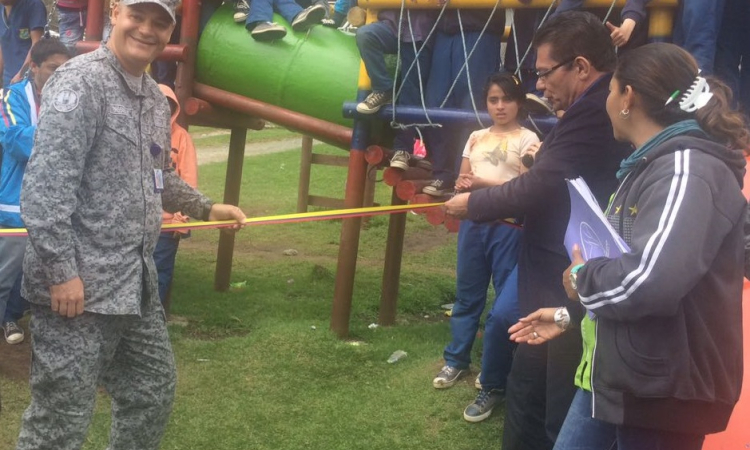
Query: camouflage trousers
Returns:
{"type": "Point", "coordinates": [130, 356]}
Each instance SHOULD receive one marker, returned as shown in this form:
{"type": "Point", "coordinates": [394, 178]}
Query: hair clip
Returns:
{"type": "Point", "coordinates": [515, 80]}
{"type": "Point", "coordinates": [696, 96]}
{"type": "Point", "coordinates": [672, 97]}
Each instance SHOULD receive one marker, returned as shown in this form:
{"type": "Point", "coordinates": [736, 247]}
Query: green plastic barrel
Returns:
{"type": "Point", "coordinates": [311, 73]}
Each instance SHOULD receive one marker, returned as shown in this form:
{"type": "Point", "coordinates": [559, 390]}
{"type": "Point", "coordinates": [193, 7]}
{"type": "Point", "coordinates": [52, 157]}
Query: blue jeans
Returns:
{"type": "Point", "coordinates": [71, 23]}
{"type": "Point", "coordinates": [164, 257]}
{"type": "Point", "coordinates": [485, 252]}
{"type": "Point", "coordinates": [732, 50]}
{"type": "Point", "coordinates": [580, 431]}
{"type": "Point", "coordinates": [376, 40]}
{"type": "Point", "coordinates": [262, 11]}
{"type": "Point", "coordinates": [497, 351]}
{"type": "Point", "coordinates": [444, 145]}
{"type": "Point", "coordinates": [697, 28]}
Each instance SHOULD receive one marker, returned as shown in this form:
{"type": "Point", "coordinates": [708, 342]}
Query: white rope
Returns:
{"type": "Point", "coordinates": [531, 43]}
{"type": "Point", "coordinates": [396, 94]}
{"type": "Point", "coordinates": [467, 57]}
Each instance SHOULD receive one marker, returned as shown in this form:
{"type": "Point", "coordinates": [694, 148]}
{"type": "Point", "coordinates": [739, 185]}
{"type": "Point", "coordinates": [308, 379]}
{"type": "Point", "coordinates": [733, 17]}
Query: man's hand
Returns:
{"type": "Point", "coordinates": [621, 35]}
{"type": "Point", "coordinates": [67, 298]}
{"type": "Point", "coordinates": [536, 328]}
{"type": "Point", "coordinates": [458, 206]}
{"type": "Point", "coordinates": [220, 211]}
{"type": "Point", "coordinates": [577, 259]}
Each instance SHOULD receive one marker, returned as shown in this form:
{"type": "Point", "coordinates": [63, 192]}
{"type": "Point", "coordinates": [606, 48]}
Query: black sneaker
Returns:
{"type": "Point", "coordinates": [483, 405]}
{"type": "Point", "coordinates": [308, 17]}
{"type": "Point", "coordinates": [268, 31]}
{"type": "Point", "coordinates": [436, 189]}
{"type": "Point", "coordinates": [241, 10]}
{"type": "Point", "coordinates": [13, 333]}
{"type": "Point", "coordinates": [374, 102]}
{"type": "Point", "coordinates": [400, 160]}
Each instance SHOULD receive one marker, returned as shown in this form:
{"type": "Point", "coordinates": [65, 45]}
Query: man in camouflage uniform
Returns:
{"type": "Point", "coordinates": [92, 199]}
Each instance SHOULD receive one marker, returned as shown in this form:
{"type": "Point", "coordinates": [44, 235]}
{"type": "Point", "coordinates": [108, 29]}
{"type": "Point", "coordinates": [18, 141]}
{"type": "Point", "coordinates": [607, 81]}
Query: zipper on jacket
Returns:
{"type": "Point", "coordinates": [593, 366]}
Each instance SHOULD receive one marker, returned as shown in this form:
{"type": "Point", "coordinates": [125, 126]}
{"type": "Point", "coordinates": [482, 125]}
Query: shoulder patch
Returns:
{"type": "Point", "coordinates": [65, 100]}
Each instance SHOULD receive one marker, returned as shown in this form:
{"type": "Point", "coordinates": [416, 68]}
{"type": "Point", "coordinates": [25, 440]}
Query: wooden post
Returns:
{"type": "Point", "coordinates": [305, 167]}
{"type": "Point", "coordinates": [394, 248]}
{"type": "Point", "coordinates": [231, 196]}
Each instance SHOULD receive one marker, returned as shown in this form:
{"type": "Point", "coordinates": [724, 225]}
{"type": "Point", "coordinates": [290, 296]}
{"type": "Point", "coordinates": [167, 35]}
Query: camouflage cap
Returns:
{"type": "Point", "coordinates": [168, 5]}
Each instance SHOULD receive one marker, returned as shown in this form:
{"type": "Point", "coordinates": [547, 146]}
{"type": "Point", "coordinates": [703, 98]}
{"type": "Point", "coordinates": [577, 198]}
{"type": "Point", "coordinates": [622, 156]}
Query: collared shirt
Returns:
{"type": "Point", "coordinates": [89, 197]}
{"type": "Point", "coordinates": [15, 34]}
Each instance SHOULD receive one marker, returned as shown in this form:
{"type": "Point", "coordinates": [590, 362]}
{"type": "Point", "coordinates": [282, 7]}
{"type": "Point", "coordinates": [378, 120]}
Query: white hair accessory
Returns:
{"type": "Point", "coordinates": [697, 95]}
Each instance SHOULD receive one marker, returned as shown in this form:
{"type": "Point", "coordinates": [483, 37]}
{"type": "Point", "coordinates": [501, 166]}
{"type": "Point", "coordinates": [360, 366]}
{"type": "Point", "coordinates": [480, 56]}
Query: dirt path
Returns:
{"type": "Point", "coordinates": [219, 154]}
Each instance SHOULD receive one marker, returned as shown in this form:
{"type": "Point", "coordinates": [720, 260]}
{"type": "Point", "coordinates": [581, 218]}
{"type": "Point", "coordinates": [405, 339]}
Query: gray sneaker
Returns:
{"type": "Point", "coordinates": [308, 17]}
{"type": "Point", "coordinates": [13, 333]}
{"type": "Point", "coordinates": [241, 10]}
{"type": "Point", "coordinates": [483, 405]}
{"type": "Point", "coordinates": [447, 377]}
{"type": "Point", "coordinates": [373, 102]}
{"type": "Point", "coordinates": [400, 160]}
{"type": "Point", "coordinates": [436, 189]}
{"type": "Point", "coordinates": [422, 164]}
{"type": "Point", "coordinates": [268, 31]}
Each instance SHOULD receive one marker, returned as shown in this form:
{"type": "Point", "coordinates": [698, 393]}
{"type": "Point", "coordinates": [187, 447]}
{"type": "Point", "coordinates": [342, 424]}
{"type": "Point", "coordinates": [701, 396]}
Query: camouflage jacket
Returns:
{"type": "Point", "coordinates": [89, 198]}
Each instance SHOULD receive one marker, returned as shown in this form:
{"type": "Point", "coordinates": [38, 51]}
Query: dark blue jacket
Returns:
{"type": "Point", "coordinates": [581, 144]}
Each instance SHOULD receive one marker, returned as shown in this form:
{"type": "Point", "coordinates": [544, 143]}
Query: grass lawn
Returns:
{"type": "Point", "coordinates": [258, 367]}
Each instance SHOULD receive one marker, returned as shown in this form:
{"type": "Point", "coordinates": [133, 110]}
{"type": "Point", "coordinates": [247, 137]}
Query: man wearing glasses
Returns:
{"type": "Point", "coordinates": [575, 58]}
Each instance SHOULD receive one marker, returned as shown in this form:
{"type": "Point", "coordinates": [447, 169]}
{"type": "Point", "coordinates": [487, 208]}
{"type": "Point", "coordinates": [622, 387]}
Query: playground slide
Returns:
{"type": "Point", "coordinates": [310, 73]}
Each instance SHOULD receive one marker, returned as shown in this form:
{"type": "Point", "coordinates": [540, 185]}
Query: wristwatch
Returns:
{"type": "Point", "coordinates": [574, 276]}
{"type": "Point", "coordinates": [562, 318]}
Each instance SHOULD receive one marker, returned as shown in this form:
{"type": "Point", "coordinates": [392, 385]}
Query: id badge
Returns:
{"type": "Point", "coordinates": [158, 181]}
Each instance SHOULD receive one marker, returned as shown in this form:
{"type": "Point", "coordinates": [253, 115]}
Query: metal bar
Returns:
{"type": "Point", "coordinates": [330, 133]}
{"type": "Point", "coordinates": [232, 184]}
{"type": "Point", "coordinates": [183, 85]}
{"type": "Point", "coordinates": [487, 4]}
{"type": "Point", "coordinates": [305, 167]}
{"type": "Point", "coordinates": [350, 228]}
{"type": "Point", "coordinates": [442, 116]}
{"type": "Point", "coordinates": [95, 20]}
{"type": "Point", "coordinates": [199, 110]}
{"type": "Point", "coordinates": [394, 249]}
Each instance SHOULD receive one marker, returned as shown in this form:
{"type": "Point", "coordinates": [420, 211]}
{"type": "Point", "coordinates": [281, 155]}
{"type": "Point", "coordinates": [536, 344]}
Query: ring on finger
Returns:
{"type": "Point", "coordinates": [535, 334]}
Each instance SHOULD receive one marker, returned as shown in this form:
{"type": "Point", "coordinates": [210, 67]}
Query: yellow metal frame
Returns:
{"type": "Point", "coordinates": [506, 4]}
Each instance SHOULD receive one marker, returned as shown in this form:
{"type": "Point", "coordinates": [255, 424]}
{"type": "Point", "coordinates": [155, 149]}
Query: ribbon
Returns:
{"type": "Point", "coordinates": [273, 220]}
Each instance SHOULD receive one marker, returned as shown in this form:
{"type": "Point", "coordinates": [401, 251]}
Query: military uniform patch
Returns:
{"type": "Point", "coordinates": [23, 33]}
{"type": "Point", "coordinates": [65, 101]}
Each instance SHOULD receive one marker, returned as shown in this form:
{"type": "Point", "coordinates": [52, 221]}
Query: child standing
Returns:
{"type": "Point", "coordinates": [488, 251]}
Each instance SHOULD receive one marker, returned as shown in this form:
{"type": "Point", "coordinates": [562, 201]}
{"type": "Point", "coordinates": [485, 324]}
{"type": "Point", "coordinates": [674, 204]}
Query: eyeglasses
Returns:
{"type": "Point", "coordinates": [542, 74]}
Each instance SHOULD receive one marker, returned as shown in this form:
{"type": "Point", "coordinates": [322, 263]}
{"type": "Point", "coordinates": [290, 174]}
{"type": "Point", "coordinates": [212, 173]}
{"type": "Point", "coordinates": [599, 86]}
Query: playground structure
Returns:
{"type": "Point", "coordinates": [284, 83]}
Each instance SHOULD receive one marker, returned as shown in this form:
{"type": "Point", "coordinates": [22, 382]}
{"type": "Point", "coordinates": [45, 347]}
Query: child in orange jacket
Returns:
{"type": "Point", "coordinates": [186, 165]}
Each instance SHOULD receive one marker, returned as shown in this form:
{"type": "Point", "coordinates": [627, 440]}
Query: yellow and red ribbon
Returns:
{"type": "Point", "coordinates": [274, 220]}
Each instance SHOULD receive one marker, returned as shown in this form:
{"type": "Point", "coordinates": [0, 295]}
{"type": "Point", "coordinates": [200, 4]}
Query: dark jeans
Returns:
{"type": "Point", "coordinates": [539, 392]}
{"type": "Point", "coordinates": [497, 349]}
{"type": "Point", "coordinates": [697, 28]}
{"type": "Point", "coordinates": [733, 50]}
{"type": "Point", "coordinates": [485, 252]}
{"type": "Point", "coordinates": [444, 145]}
{"type": "Point", "coordinates": [376, 40]}
{"type": "Point", "coordinates": [71, 24]}
{"type": "Point", "coordinates": [262, 11]}
{"type": "Point", "coordinates": [582, 432]}
{"type": "Point", "coordinates": [164, 257]}
{"type": "Point", "coordinates": [17, 305]}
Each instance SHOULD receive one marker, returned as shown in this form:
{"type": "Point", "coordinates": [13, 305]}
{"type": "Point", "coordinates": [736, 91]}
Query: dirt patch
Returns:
{"type": "Point", "coordinates": [15, 360]}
